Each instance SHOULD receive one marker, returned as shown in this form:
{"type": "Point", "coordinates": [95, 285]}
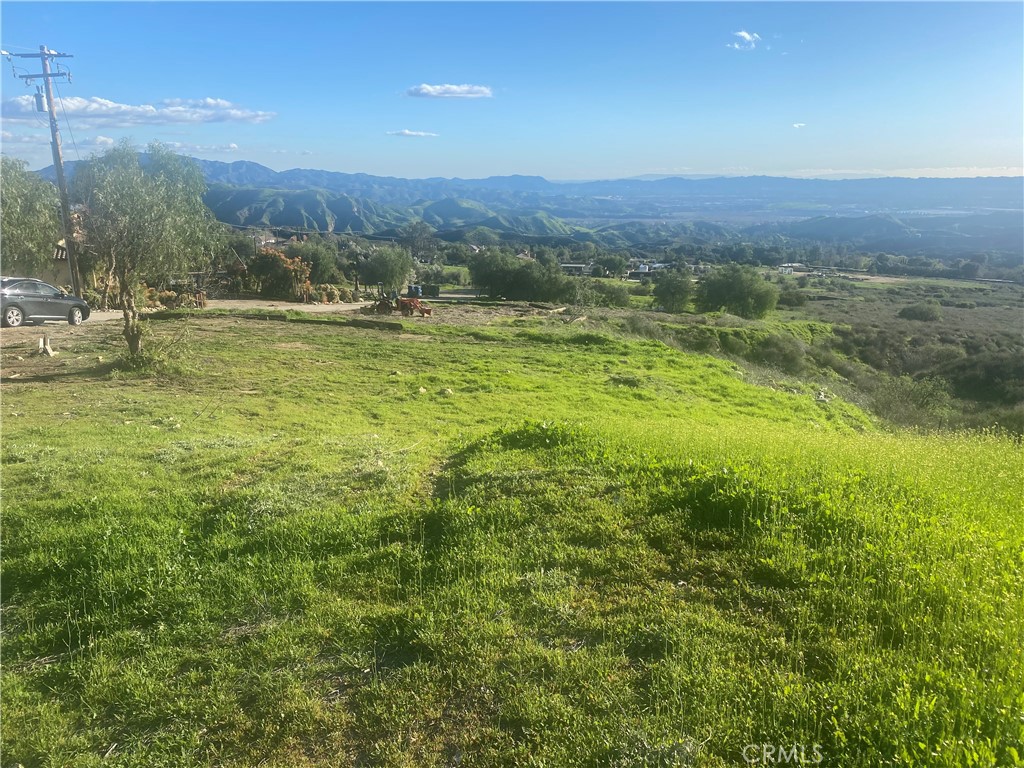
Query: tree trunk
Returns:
{"type": "Point", "coordinates": [104, 304]}
{"type": "Point", "coordinates": [132, 329]}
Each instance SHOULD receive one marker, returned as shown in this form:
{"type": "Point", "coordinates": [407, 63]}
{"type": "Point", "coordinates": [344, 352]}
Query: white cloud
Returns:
{"type": "Point", "coordinates": [24, 138]}
{"type": "Point", "coordinates": [450, 91]}
{"type": "Point", "coordinates": [179, 146]}
{"type": "Point", "coordinates": [407, 132]}
{"type": "Point", "coordinates": [799, 125]}
{"type": "Point", "coordinates": [98, 112]}
{"type": "Point", "coordinates": [747, 41]}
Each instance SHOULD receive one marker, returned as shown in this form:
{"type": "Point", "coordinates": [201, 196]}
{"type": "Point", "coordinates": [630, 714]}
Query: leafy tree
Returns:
{"type": "Point", "coordinates": [418, 237]}
{"type": "Point", "coordinates": [737, 289]}
{"type": "Point", "coordinates": [673, 290]}
{"type": "Point", "coordinates": [504, 275]}
{"type": "Point", "coordinates": [322, 258]}
{"type": "Point", "coordinates": [388, 265]}
{"type": "Point", "coordinates": [613, 264]}
{"type": "Point", "coordinates": [280, 276]}
{"type": "Point", "coordinates": [148, 219]}
{"type": "Point", "coordinates": [29, 218]}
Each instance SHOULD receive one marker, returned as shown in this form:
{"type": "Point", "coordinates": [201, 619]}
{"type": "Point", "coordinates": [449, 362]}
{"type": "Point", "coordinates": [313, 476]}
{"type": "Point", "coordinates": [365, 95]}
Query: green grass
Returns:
{"type": "Point", "coordinates": [521, 543]}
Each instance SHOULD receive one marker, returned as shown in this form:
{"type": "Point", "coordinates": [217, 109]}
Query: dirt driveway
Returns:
{"type": "Point", "coordinates": [19, 338]}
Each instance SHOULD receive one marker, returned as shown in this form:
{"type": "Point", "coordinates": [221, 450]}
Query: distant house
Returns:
{"type": "Point", "coordinates": [577, 269]}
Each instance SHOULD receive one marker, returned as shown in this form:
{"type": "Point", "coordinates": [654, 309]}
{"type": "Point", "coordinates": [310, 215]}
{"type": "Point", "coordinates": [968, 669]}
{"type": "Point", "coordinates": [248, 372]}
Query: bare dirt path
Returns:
{"type": "Point", "coordinates": [12, 339]}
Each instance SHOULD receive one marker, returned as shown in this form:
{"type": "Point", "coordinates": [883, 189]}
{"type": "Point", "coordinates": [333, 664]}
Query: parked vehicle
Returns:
{"type": "Point", "coordinates": [27, 300]}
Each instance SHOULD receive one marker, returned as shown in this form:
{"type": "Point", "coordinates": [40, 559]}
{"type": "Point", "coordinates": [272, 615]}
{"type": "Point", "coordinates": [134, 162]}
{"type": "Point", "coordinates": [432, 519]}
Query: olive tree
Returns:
{"type": "Point", "coordinates": [389, 265]}
{"type": "Point", "coordinates": [29, 218]}
{"type": "Point", "coordinates": [145, 216]}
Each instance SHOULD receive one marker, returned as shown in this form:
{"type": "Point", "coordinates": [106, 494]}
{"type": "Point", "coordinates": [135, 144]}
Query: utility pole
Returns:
{"type": "Point", "coordinates": [45, 56]}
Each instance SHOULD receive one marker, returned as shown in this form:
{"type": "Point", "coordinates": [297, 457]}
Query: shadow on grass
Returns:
{"type": "Point", "coordinates": [92, 373]}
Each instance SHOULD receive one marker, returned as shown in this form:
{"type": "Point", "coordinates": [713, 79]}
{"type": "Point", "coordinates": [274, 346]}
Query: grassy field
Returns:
{"type": "Point", "coordinates": [506, 542]}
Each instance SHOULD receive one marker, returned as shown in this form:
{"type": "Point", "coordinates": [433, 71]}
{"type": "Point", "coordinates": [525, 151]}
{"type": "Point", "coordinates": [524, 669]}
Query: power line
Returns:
{"type": "Point", "coordinates": [46, 56]}
{"type": "Point", "coordinates": [66, 121]}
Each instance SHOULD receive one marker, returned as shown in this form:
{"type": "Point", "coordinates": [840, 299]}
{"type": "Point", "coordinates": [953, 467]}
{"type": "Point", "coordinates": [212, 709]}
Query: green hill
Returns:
{"type": "Point", "coordinates": [454, 213]}
{"type": "Point", "coordinates": [511, 541]}
{"type": "Point", "coordinates": [311, 209]}
{"type": "Point", "coordinates": [536, 223]}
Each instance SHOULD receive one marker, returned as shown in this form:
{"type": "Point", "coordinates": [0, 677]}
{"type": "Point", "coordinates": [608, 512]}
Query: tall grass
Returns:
{"type": "Point", "coordinates": [537, 546]}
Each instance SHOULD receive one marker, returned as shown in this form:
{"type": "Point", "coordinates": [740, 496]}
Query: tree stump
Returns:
{"type": "Point", "coordinates": [44, 347]}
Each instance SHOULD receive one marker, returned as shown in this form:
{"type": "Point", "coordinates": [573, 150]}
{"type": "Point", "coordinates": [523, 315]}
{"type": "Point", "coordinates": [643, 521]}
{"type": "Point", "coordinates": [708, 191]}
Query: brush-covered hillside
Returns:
{"type": "Point", "coordinates": [510, 541]}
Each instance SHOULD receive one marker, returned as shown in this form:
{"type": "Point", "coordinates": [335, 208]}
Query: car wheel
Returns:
{"type": "Point", "coordinates": [75, 316]}
{"type": "Point", "coordinates": [13, 317]}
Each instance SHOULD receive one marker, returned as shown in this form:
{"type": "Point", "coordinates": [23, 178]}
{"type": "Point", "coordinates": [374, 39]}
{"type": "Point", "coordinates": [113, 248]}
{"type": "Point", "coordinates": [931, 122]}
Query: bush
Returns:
{"type": "Point", "coordinates": [921, 402]}
{"type": "Point", "coordinates": [641, 326]}
{"type": "Point", "coordinates": [927, 311]}
{"type": "Point", "coordinates": [782, 351]}
{"type": "Point", "coordinates": [792, 298]}
{"type": "Point", "coordinates": [610, 293]}
{"type": "Point", "coordinates": [324, 293]}
{"type": "Point", "coordinates": [92, 298]}
{"type": "Point", "coordinates": [643, 288]}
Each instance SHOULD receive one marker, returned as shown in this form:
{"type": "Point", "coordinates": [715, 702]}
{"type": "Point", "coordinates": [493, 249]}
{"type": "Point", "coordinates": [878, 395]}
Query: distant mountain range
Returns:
{"type": "Point", "coordinates": [899, 214]}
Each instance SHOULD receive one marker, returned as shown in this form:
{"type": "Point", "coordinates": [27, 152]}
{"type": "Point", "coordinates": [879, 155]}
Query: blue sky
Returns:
{"type": "Point", "coordinates": [570, 90]}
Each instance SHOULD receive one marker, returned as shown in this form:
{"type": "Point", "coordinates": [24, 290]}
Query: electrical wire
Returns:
{"type": "Point", "coordinates": [66, 121]}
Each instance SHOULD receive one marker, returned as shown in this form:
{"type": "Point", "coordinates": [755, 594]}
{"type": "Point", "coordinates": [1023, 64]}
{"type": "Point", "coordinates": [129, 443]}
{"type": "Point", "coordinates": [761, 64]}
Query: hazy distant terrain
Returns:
{"type": "Point", "coordinates": [943, 217]}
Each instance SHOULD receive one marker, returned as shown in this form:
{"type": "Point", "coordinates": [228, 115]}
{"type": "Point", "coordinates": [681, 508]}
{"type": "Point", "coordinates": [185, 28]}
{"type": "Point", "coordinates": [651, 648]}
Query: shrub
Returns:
{"type": "Point", "coordinates": [641, 326]}
{"type": "Point", "coordinates": [643, 288]}
{"type": "Point", "coordinates": [92, 298]}
{"type": "Point", "coordinates": [733, 344]}
{"type": "Point", "coordinates": [779, 350]}
{"type": "Point", "coordinates": [926, 311]}
{"type": "Point", "coordinates": [325, 293]}
{"type": "Point", "coordinates": [610, 293]}
{"type": "Point", "coordinates": [792, 298]}
{"type": "Point", "coordinates": [921, 402]}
